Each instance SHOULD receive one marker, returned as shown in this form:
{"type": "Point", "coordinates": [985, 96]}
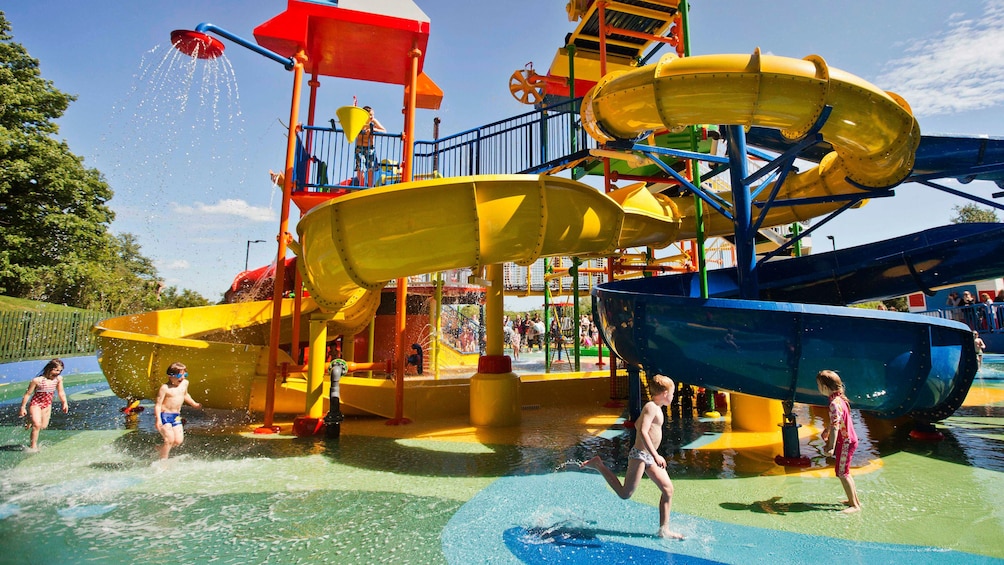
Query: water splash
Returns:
{"type": "Point", "coordinates": [575, 463]}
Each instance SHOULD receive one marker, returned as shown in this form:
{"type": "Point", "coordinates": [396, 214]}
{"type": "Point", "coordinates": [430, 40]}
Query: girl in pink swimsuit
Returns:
{"type": "Point", "coordinates": [40, 392]}
{"type": "Point", "coordinates": [839, 435]}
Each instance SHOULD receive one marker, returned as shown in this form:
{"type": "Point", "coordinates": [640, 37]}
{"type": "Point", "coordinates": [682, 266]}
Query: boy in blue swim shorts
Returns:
{"type": "Point", "coordinates": [167, 412]}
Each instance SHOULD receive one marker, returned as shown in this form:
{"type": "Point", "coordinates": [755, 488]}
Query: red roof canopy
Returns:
{"type": "Point", "coordinates": [356, 39]}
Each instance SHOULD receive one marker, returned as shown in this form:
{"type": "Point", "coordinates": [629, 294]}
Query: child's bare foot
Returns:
{"type": "Point", "coordinates": [592, 463]}
{"type": "Point", "coordinates": [31, 449]}
{"type": "Point", "coordinates": [851, 510]}
{"type": "Point", "coordinates": [666, 533]}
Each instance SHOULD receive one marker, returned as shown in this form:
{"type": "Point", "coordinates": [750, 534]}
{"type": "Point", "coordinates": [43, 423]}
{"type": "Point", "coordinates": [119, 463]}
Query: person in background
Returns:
{"type": "Point", "coordinates": [980, 348]}
{"type": "Point", "coordinates": [365, 152]}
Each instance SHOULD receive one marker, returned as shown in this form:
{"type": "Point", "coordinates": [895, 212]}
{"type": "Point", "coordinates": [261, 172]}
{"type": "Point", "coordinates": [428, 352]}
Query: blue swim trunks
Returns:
{"type": "Point", "coordinates": [170, 418]}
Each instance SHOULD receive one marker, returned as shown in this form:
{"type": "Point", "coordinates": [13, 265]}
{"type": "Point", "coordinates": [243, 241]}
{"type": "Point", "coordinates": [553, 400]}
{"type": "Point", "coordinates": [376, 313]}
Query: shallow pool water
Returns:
{"type": "Point", "coordinates": [443, 492]}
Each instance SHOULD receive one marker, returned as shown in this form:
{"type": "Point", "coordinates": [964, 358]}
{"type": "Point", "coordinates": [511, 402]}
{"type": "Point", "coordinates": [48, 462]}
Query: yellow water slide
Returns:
{"type": "Point", "coordinates": [351, 247]}
{"type": "Point", "coordinates": [873, 133]}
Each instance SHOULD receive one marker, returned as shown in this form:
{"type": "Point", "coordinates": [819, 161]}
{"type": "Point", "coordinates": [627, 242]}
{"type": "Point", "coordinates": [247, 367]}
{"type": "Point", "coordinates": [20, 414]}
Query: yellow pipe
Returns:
{"type": "Point", "coordinates": [349, 347]}
{"type": "Point", "coordinates": [316, 365]}
{"type": "Point", "coordinates": [873, 133]}
{"type": "Point", "coordinates": [494, 340]}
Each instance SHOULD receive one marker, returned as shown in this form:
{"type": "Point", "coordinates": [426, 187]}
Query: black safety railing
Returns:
{"type": "Point", "coordinates": [542, 140]}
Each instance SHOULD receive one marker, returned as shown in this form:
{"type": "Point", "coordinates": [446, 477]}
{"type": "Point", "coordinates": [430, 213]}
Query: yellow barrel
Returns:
{"type": "Point", "coordinates": [495, 399]}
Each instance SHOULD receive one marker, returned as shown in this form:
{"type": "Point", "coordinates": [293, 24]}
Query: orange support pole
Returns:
{"type": "Point", "coordinates": [402, 284]}
{"type": "Point", "coordinates": [399, 327]}
{"type": "Point", "coordinates": [298, 281]}
{"type": "Point", "coordinates": [282, 238]}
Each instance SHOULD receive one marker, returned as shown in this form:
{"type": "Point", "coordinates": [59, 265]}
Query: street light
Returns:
{"type": "Point", "coordinates": [248, 252]}
{"type": "Point", "coordinates": [833, 241]}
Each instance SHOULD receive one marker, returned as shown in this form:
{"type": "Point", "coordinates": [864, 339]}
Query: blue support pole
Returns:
{"type": "Point", "coordinates": [742, 210]}
{"type": "Point", "coordinates": [634, 393]}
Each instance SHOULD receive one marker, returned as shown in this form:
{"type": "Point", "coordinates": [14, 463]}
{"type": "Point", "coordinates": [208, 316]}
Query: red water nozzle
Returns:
{"type": "Point", "coordinates": [196, 44]}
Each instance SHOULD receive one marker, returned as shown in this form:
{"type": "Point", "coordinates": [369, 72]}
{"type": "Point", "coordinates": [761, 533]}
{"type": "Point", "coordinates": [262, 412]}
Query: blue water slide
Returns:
{"type": "Point", "coordinates": [961, 157]}
{"type": "Point", "coordinates": [923, 261]}
{"type": "Point", "coordinates": [893, 364]}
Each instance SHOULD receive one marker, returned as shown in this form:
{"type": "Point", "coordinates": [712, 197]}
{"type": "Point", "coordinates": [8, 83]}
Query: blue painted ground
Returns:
{"type": "Point", "coordinates": [573, 517]}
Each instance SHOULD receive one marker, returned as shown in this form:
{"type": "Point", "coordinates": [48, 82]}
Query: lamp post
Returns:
{"type": "Point", "coordinates": [248, 252]}
{"type": "Point", "coordinates": [832, 241]}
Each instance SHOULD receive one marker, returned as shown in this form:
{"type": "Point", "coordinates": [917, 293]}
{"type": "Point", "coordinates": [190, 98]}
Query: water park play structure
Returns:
{"type": "Point", "coordinates": [247, 355]}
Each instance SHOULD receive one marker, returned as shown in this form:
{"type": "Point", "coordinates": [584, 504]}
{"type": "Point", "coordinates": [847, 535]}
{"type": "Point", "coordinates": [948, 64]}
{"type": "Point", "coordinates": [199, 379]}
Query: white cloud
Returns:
{"type": "Point", "coordinates": [176, 264]}
{"type": "Point", "coordinates": [960, 69]}
{"type": "Point", "coordinates": [227, 207]}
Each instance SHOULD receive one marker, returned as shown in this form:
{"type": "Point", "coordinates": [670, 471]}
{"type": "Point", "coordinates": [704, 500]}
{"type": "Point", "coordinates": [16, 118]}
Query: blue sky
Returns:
{"type": "Point", "coordinates": [192, 184]}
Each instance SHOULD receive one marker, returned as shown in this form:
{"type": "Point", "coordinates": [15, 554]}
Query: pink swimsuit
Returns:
{"type": "Point", "coordinates": [847, 438]}
{"type": "Point", "coordinates": [44, 389]}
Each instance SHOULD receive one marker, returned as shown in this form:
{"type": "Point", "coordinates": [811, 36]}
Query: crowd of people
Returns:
{"type": "Point", "coordinates": [524, 333]}
{"type": "Point", "coordinates": [983, 313]}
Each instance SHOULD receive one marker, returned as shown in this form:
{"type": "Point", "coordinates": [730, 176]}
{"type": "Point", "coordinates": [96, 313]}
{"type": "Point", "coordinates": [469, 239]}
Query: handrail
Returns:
{"type": "Point", "coordinates": [501, 147]}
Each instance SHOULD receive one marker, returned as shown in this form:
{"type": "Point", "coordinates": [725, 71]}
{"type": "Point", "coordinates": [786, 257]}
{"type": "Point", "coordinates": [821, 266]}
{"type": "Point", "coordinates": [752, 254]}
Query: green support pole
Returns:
{"type": "Point", "coordinates": [695, 173]}
{"type": "Point", "coordinates": [576, 332]}
{"type": "Point", "coordinates": [547, 315]}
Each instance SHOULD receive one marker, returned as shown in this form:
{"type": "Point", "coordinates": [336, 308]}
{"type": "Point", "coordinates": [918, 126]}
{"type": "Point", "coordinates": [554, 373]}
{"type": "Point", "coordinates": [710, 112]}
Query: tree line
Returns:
{"type": "Point", "coordinates": [55, 239]}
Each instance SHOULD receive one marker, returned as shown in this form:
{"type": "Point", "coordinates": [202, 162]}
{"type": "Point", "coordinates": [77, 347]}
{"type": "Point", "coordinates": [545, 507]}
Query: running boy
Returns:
{"type": "Point", "coordinates": [167, 412]}
{"type": "Point", "coordinates": [644, 457]}
{"type": "Point", "coordinates": [840, 437]}
{"type": "Point", "coordinates": [40, 391]}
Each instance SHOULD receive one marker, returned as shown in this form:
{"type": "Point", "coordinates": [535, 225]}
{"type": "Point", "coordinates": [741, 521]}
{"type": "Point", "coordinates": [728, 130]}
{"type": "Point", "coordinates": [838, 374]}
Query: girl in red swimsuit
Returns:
{"type": "Point", "coordinates": [40, 392]}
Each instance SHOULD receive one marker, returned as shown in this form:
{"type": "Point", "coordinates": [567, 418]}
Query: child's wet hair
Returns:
{"type": "Point", "coordinates": [659, 384]}
{"type": "Point", "coordinates": [52, 365]}
{"type": "Point", "coordinates": [831, 380]}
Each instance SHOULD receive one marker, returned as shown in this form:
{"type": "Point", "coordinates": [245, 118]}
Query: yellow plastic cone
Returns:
{"type": "Point", "coordinates": [353, 119]}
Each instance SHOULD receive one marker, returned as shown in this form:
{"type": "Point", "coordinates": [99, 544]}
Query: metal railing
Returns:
{"type": "Point", "coordinates": [534, 142]}
{"type": "Point", "coordinates": [39, 335]}
{"type": "Point", "coordinates": [979, 317]}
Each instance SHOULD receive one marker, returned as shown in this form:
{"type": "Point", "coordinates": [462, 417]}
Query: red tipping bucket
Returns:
{"type": "Point", "coordinates": [196, 44]}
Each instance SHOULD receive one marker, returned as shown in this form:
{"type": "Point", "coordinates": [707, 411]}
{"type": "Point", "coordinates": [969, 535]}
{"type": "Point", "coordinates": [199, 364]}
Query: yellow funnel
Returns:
{"type": "Point", "coordinates": [353, 119]}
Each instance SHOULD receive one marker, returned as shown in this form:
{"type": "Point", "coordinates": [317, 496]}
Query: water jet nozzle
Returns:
{"type": "Point", "coordinates": [196, 44]}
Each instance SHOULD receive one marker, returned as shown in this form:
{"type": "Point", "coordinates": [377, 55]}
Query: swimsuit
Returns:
{"type": "Point", "coordinates": [44, 389]}
{"type": "Point", "coordinates": [847, 438]}
{"type": "Point", "coordinates": [641, 455]}
{"type": "Point", "coordinates": [365, 154]}
{"type": "Point", "coordinates": [171, 418]}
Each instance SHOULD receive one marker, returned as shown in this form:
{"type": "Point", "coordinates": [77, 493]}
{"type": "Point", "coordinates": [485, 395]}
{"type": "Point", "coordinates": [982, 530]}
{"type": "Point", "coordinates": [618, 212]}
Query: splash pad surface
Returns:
{"type": "Point", "coordinates": [444, 492]}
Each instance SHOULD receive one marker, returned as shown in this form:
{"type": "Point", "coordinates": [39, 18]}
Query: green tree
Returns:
{"type": "Point", "coordinates": [55, 244]}
{"type": "Point", "coordinates": [972, 213]}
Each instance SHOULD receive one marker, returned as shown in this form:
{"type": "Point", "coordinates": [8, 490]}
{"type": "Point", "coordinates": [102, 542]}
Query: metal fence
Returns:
{"type": "Point", "coordinates": [39, 335]}
{"type": "Point", "coordinates": [979, 317]}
